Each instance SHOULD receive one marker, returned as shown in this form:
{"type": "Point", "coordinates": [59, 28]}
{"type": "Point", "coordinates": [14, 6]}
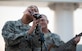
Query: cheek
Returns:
{"type": "Point", "coordinates": [43, 24]}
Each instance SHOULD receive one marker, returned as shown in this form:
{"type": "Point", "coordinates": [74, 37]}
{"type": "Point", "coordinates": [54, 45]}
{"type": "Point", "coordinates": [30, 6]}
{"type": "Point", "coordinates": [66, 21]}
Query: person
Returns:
{"type": "Point", "coordinates": [17, 34]}
{"type": "Point", "coordinates": [52, 40]}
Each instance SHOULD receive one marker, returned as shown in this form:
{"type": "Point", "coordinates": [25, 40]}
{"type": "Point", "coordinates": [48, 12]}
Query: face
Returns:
{"type": "Point", "coordinates": [43, 21]}
{"type": "Point", "coordinates": [31, 10]}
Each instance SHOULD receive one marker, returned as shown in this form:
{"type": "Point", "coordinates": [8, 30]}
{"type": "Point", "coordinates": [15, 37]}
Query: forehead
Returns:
{"type": "Point", "coordinates": [33, 6]}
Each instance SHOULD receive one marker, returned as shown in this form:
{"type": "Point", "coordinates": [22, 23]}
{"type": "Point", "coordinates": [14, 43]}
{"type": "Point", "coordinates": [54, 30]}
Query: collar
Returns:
{"type": "Point", "coordinates": [19, 23]}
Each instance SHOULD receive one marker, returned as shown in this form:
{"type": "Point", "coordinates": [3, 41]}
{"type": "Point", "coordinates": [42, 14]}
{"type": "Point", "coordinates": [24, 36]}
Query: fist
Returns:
{"type": "Point", "coordinates": [77, 39]}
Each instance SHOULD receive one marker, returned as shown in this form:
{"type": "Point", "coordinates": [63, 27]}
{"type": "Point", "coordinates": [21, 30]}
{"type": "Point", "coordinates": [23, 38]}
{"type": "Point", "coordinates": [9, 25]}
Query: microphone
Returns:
{"type": "Point", "coordinates": [37, 16]}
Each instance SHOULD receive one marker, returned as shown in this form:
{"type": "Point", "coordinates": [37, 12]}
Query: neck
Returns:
{"type": "Point", "coordinates": [25, 20]}
{"type": "Point", "coordinates": [45, 30]}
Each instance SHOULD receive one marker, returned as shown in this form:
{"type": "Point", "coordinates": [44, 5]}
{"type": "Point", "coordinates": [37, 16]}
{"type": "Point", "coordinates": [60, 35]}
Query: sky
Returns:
{"type": "Point", "coordinates": [8, 13]}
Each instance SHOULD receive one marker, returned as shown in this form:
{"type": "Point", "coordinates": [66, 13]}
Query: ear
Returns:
{"type": "Point", "coordinates": [47, 21]}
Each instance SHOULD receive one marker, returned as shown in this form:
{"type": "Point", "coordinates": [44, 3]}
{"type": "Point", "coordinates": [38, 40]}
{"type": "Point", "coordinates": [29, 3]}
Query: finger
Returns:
{"type": "Point", "coordinates": [34, 19]}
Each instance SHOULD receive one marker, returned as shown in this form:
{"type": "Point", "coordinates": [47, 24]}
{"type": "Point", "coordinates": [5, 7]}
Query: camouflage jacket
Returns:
{"type": "Point", "coordinates": [16, 36]}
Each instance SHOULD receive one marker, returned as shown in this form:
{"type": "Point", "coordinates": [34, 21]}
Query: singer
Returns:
{"type": "Point", "coordinates": [17, 34]}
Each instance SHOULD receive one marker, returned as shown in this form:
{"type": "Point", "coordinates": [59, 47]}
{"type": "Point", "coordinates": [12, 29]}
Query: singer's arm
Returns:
{"type": "Point", "coordinates": [11, 36]}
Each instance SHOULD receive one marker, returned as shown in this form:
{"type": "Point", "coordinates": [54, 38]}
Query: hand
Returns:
{"type": "Point", "coordinates": [77, 39]}
{"type": "Point", "coordinates": [50, 46]}
{"type": "Point", "coordinates": [35, 22]}
{"type": "Point", "coordinates": [27, 11]}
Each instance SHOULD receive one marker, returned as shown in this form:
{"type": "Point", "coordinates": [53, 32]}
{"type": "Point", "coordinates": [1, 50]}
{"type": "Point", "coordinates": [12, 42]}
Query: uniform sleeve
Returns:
{"type": "Point", "coordinates": [56, 40]}
{"type": "Point", "coordinates": [9, 35]}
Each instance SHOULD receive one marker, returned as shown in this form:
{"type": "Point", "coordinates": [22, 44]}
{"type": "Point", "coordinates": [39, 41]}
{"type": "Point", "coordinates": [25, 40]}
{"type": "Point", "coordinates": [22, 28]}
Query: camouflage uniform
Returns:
{"type": "Point", "coordinates": [16, 36]}
{"type": "Point", "coordinates": [51, 38]}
